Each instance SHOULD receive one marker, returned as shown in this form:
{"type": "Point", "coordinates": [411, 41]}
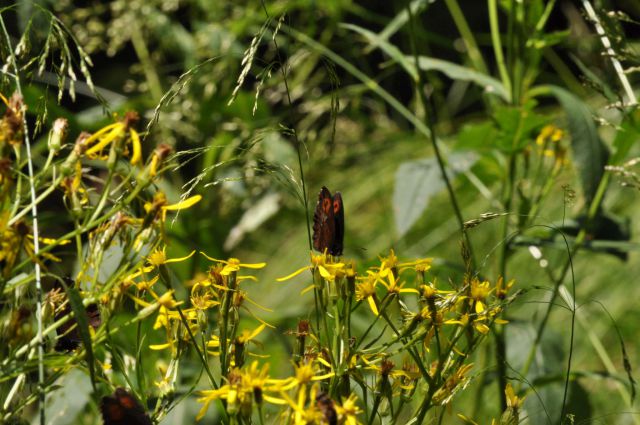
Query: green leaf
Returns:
{"type": "Point", "coordinates": [516, 124]}
{"type": "Point", "coordinates": [80, 314]}
{"type": "Point", "coordinates": [589, 153]}
{"type": "Point", "coordinates": [459, 72]}
{"type": "Point", "coordinates": [549, 39]}
{"type": "Point", "coordinates": [479, 137]}
{"type": "Point", "coordinates": [418, 181]}
{"type": "Point", "coordinates": [628, 133]}
{"type": "Point", "coordinates": [450, 69]}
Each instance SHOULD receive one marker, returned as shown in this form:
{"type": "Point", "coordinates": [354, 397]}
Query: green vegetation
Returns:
{"type": "Point", "coordinates": [159, 165]}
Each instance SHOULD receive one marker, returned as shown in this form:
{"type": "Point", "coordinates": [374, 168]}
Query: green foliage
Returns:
{"type": "Point", "coordinates": [444, 124]}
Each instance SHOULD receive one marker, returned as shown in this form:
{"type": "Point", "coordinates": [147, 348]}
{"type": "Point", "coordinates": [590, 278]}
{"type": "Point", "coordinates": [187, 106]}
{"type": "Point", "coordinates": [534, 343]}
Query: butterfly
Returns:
{"type": "Point", "coordinates": [122, 408]}
{"type": "Point", "coordinates": [328, 223]}
{"type": "Point", "coordinates": [69, 335]}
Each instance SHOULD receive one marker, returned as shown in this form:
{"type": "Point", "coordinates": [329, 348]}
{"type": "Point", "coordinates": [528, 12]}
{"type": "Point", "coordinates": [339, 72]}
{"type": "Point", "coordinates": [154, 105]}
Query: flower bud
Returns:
{"type": "Point", "coordinates": [58, 134]}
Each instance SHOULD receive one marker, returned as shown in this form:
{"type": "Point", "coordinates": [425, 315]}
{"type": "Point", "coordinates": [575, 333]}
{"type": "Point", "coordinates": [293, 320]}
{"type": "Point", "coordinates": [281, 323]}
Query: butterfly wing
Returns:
{"type": "Point", "coordinates": [69, 335]}
{"type": "Point", "coordinates": [324, 222]}
{"type": "Point", "coordinates": [123, 409]}
{"type": "Point", "coordinates": [338, 218]}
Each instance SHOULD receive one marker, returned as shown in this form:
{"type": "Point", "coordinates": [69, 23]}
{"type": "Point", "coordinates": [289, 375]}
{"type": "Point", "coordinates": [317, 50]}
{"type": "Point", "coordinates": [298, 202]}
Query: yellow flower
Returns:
{"type": "Point", "coordinates": [348, 410]}
{"type": "Point", "coordinates": [245, 387]}
{"type": "Point", "coordinates": [113, 133]}
{"type": "Point", "coordinates": [502, 289]}
{"type": "Point", "coordinates": [454, 383]}
{"type": "Point", "coordinates": [233, 265]}
{"type": "Point", "coordinates": [389, 265]}
{"type": "Point", "coordinates": [479, 292]}
{"type": "Point", "coordinates": [305, 408]}
{"type": "Point", "coordinates": [421, 265]}
{"type": "Point", "coordinates": [159, 257]}
{"type": "Point", "coordinates": [366, 290]}
{"type": "Point", "coordinates": [159, 207]}
{"type": "Point", "coordinates": [393, 287]}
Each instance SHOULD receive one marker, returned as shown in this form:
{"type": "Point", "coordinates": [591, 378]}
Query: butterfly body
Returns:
{"type": "Point", "coordinates": [328, 223]}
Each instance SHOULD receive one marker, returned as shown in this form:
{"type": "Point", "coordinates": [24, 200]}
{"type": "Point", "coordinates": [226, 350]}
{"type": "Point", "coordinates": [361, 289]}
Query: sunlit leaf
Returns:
{"type": "Point", "coordinates": [418, 181]}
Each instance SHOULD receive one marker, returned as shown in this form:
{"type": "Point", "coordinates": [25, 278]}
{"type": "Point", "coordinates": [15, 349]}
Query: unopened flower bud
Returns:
{"type": "Point", "coordinates": [58, 134]}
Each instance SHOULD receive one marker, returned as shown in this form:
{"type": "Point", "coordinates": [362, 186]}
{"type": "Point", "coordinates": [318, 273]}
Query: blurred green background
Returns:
{"type": "Point", "coordinates": [238, 152]}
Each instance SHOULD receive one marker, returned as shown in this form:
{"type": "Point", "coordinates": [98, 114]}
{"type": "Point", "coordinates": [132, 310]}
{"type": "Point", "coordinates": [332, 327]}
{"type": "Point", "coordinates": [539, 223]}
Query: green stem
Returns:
{"type": "Point", "coordinates": [430, 123]}
{"type": "Point", "coordinates": [467, 36]}
{"type": "Point", "coordinates": [497, 45]}
{"type": "Point", "coordinates": [579, 240]}
{"type": "Point", "coordinates": [139, 45]}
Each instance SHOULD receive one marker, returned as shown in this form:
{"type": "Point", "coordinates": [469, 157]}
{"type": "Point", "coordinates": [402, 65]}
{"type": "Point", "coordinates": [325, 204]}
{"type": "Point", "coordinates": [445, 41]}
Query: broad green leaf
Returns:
{"type": "Point", "coordinates": [589, 153]}
{"type": "Point", "coordinates": [509, 132]}
{"type": "Point", "coordinates": [459, 72]}
{"type": "Point", "coordinates": [450, 69]}
{"type": "Point", "coordinates": [418, 181]}
{"type": "Point", "coordinates": [479, 137]}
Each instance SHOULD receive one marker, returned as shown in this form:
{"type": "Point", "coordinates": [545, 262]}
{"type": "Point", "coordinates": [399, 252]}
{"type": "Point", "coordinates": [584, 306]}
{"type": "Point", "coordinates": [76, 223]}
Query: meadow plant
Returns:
{"type": "Point", "coordinates": [91, 292]}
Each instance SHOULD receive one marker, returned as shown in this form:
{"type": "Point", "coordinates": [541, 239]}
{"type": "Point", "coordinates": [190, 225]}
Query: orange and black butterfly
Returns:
{"type": "Point", "coordinates": [122, 408]}
{"type": "Point", "coordinates": [328, 223]}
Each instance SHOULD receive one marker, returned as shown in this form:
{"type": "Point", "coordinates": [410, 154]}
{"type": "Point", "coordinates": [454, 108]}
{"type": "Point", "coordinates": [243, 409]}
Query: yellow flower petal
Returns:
{"type": "Point", "coordinates": [296, 273]}
{"type": "Point", "coordinates": [273, 400]}
{"type": "Point", "coordinates": [256, 331]}
{"type": "Point", "coordinates": [187, 203]}
{"type": "Point", "coordinates": [372, 305]}
{"type": "Point", "coordinates": [137, 148]}
{"type": "Point", "coordinates": [160, 346]}
{"type": "Point", "coordinates": [100, 132]}
{"type": "Point", "coordinates": [108, 138]}
{"type": "Point", "coordinates": [177, 260]}
{"type": "Point", "coordinates": [253, 266]}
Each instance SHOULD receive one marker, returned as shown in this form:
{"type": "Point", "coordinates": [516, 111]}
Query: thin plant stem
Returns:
{"type": "Point", "coordinates": [430, 120]}
{"type": "Point", "coordinates": [36, 234]}
{"type": "Point", "coordinates": [497, 45]}
{"type": "Point", "coordinates": [577, 244]}
{"type": "Point", "coordinates": [137, 40]}
{"type": "Point", "coordinates": [467, 35]}
{"type": "Point", "coordinates": [283, 70]}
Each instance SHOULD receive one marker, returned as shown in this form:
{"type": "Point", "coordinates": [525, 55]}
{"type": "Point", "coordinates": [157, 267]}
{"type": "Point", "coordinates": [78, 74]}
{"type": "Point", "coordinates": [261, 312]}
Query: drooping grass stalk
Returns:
{"type": "Point", "coordinates": [577, 244]}
{"type": "Point", "coordinates": [34, 218]}
{"type": "Point", "coordinates": [624, 81]}
{"type": "Point", "coordinates": [430, 120]}
{"type": "Point", "coordinates": [298, 143]}
{"type": "Point", "coordinates": [572, 307]}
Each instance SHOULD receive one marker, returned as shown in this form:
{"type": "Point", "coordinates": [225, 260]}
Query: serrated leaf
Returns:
{"type": "Point", "coordinates": [515, 124]}
{"type": "Point", "coordinates": [588, 151]}
{"type": "Point", "coordinates": [418, 181]}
